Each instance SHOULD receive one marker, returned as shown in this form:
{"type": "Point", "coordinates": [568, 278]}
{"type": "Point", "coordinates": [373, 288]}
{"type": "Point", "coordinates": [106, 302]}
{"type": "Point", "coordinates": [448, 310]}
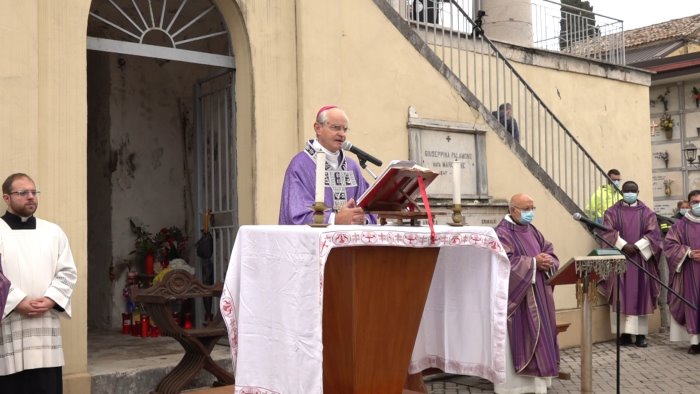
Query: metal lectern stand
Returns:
{"type": "Point", "coordinates": [586, 270]}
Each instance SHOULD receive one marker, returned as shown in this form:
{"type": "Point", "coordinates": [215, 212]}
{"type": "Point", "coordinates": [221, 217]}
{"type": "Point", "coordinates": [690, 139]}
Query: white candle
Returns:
{"type": "Point", "coordinates": [456, 179]}
{"type": "Point", "coordinates": [320, 175]}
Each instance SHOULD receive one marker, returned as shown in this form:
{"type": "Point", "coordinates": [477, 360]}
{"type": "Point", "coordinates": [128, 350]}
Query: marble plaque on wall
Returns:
{"type": "Point", "coordinates": [438, 150]}
{"type": "Point", "coordinates": [693, 181]}
{"type": "Point", "coordinates": [437, 143]}
{"type": "Point", "coordinates": [665, 207]}
{"type": "Point", "coordinates": [676, 179]}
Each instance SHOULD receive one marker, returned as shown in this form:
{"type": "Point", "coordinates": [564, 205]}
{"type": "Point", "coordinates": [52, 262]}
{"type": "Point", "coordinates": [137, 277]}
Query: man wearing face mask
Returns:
{"type": "Point", "coordinates": [682, 250]}
{"type": "Point", "coordinates": [604, 197]}
{"type": "Point", "coordinates": [533, 355]}
{"type": "Point", "coordinates": [635, 231]}
{"type": "Point", "coordinates": [682, 208]}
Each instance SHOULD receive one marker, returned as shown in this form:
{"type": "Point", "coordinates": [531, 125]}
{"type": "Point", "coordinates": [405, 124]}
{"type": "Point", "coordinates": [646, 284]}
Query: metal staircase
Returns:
{"type": "Point", "coordinates": [485, 79]}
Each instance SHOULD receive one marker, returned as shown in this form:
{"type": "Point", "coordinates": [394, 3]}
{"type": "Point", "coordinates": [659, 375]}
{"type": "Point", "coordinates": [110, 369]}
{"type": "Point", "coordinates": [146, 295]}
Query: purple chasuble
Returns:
{"type": "Point", "coordinates": [638, 292]}
{"type": "Point", "coordinates": [532, 327]}
{"type": "Point", "coordinates": [680, 237]}
{"type": "Point", "coordinates": [298, 193]}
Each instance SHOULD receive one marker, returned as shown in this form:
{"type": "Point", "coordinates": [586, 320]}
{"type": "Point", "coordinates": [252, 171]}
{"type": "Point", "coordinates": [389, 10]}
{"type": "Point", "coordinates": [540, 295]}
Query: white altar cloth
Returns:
{"type": "Point", "coordinates": [273, 299]}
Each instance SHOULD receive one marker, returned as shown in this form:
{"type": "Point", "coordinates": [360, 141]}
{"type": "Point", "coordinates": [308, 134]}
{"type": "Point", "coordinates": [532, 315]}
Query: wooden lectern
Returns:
{"type": "Point", "coordinates": [373, 302]}
{"type": "Point", "coordinates": [393, 195]}
{"type": "Point", "coordinates": [587, 270]}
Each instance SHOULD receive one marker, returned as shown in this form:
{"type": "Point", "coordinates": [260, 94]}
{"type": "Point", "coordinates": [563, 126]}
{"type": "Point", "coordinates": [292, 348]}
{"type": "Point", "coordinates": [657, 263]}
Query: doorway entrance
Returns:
{"type": "Point", "coordinates": [161, 138]}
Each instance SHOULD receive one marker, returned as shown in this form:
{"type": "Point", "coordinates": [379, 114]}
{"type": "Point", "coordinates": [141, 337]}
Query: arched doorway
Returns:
{"type": "Point", "coordinates": [161, 137]}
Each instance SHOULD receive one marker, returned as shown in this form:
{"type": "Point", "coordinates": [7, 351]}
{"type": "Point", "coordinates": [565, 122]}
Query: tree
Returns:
{"type": "Point", "coordinates": [577, 22]}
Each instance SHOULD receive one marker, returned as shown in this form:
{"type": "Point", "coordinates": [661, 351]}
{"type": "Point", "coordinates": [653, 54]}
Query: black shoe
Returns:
{"type": "Point", "coordinates": [624, 340]}
{"type": "Point", "coordinates": [694, 349]}
{"type": "Point", "coordinates": [641, 341]}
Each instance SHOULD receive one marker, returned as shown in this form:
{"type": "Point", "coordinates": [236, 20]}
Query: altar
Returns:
{"type": "Point", "coordinates": [273, 302]}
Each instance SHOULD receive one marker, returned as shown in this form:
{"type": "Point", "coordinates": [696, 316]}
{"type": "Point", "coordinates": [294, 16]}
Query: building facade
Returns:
{"type": "Point", "coordinates": [113, 132]}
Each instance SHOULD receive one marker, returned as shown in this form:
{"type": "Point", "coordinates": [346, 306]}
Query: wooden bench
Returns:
{"type": "Point", "coordinates": [179, 285]}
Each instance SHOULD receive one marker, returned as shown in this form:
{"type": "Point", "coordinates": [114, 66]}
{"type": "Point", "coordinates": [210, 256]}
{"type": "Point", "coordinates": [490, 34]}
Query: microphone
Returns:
{"type": "Point", "coordinates": [362, 155]}
{"type": "Point", "coordinates": [590, 223]}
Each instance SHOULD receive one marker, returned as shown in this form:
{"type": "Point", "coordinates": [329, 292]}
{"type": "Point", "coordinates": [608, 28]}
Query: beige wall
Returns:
{"type": "Point", "coordinates": [43, 107]}
{"type": "Point", "coordinates": [608, 115]}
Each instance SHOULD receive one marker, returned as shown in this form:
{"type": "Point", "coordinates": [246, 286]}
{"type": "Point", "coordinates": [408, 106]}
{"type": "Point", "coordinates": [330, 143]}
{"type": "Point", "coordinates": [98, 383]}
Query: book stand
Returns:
{"type": "Point", "coordinates": [584, 269]}
{"type": "Point", "coordinates": [394, 194]}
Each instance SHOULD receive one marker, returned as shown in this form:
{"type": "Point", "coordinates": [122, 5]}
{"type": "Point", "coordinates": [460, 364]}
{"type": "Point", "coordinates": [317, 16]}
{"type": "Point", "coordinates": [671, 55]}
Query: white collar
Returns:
{"type": "Point", "coordinates": [692, 217]}
{"type": "Point", "coordinates": [332, 158]}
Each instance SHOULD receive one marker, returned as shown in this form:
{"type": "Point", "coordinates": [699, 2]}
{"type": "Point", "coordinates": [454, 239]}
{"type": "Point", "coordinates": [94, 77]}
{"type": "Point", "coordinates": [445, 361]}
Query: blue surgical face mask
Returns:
{"type": "Point", "coordinates": [683, 211]}
{"type": "Point", "coordinates": [696, 209]}
{"type": "Point", "coordinates": [527, 216]}
{"type": "Point", "coordinates": [617, 183]}
{"type": "Point", "coordinates": [630, 198]}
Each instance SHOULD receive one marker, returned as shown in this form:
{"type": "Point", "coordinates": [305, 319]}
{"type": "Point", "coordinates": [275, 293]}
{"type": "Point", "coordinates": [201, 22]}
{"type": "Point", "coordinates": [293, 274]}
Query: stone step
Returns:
{"type": "Point", "coordinates": [126, 364]}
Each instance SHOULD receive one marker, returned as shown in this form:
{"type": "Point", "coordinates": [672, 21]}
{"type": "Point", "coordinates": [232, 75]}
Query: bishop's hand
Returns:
{"type": "Point", "coordinates": [350, 214]}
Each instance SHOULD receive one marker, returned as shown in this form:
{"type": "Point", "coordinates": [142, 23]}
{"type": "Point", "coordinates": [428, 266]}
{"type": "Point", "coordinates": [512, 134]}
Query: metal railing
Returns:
{"type": "Point", "coordinates": [578, 32]}
{"type": "Point", "coordinates": [555, 27]}
{"type": "Point", "coordinates": [539, 136]}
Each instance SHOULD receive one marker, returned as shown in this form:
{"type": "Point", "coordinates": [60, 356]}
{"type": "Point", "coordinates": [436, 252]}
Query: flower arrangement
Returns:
{"type": "Point", "coordinates": [662, 98]}
{"type": "Point", "coordinates": [663, 156]}
{"type": "Point", "coordinates": [696, 96]}
{"type": "Point", "coordinates": [171, 243]}
{"type": "Point", "coordinates": [666, 122]}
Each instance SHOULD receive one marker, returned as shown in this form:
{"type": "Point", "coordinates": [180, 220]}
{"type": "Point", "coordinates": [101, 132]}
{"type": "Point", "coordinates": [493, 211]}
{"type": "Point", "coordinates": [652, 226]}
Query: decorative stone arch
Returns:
{"type": "Point", "coordinates": [151, 19]}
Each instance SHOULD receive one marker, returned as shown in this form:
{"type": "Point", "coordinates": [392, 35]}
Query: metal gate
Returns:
{"type": "Point", "coordinates": [215, 116]}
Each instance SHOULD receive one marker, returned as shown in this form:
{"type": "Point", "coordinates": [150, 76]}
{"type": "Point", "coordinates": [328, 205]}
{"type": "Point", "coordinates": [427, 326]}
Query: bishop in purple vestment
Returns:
{"type": "Point", "coordinates": [344, 183]}
{"type": "Point", "coordinates": [682, 250]}
{"type": "Point", "coordinates": [635, 231]}
{"type": "Point", "coordinates": [532, 328]}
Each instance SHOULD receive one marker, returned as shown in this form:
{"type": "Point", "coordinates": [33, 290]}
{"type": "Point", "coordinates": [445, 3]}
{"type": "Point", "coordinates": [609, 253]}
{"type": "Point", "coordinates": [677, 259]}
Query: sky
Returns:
{"type": "Point", "coordinates": [639, 13]}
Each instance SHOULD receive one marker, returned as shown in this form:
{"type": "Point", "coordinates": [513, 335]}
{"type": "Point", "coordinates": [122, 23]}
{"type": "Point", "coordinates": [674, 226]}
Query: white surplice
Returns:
{"type": "Point", "coordinates": [39, 263]}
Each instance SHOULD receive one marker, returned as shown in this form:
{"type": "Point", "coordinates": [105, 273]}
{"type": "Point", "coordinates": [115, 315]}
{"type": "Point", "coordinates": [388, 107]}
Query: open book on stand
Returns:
{"type": "Point", "coordinates": [396, 187]}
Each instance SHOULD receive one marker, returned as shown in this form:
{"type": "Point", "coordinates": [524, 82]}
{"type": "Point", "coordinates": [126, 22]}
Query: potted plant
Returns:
{"type": "Point", "coordinates": [144, 246]}
{"type": "Point", "coordinates": [663, 156]}
{"type": "Point", "coordinates": [666, 124]}
{"type": "Point", "coordinates": [662, 98]}
{"type": "Point", "coordinates": [667, 186]}
{"type": "Point", "coordinates": [696, 96]}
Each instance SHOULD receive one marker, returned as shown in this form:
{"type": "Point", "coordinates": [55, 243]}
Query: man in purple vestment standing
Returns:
{"type": "Point", "coordinates": [682, 250]}
{"type": "Point", "coordinates": [532, 328]}
{"type": "Point", "coordinates": [635, 231]}
{"type": "Point", "coordinates": [344, 183]}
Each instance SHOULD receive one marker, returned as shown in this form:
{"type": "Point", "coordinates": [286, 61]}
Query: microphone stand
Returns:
{"type": "Point", "coordinates": [649, 274]}
{"type": "Point", "coordinates": [363, 164]}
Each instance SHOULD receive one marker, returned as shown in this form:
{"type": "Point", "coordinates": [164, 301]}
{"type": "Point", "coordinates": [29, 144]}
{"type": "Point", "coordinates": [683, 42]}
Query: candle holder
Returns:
{"type": "Point", "coordinates": [457, 218]}
{"type": "Point", "coordinates": [319, 208]}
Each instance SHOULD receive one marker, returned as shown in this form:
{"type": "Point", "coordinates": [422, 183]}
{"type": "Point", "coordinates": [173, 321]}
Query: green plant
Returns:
{"type": "Point", "coordinates": [662, 98]}
{"type": "Point", "coordinates": [144, 243]}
